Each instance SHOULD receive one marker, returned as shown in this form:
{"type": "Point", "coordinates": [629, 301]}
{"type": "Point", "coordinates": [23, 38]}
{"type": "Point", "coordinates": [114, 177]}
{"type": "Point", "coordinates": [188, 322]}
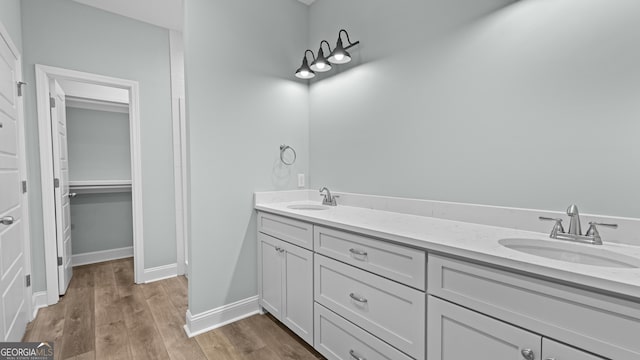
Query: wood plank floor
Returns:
{"type": "Point", "coordinates": [104, 315]}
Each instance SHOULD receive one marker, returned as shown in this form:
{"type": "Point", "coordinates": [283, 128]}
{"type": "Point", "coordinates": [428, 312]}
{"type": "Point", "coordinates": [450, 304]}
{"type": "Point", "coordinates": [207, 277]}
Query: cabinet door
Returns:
{"type": "Point", "coordinates": [297, 287]}
{"type": "Point", "coordinates": [455, 333]}
{"type": "Point", "coordinates": [271, 275]}
{"type": "Point", "coordinates": [552, 350]}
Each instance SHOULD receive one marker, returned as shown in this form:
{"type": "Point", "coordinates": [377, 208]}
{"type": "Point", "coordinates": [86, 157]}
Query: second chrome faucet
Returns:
{"type": "Point", "coordinates": [328, 198]}
{"type": "Point", "coordinates": [592, 236]}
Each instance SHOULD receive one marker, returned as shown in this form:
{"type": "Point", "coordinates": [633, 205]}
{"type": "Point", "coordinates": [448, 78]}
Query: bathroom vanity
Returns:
{"type": "Point", "coordinates": [358, 283]}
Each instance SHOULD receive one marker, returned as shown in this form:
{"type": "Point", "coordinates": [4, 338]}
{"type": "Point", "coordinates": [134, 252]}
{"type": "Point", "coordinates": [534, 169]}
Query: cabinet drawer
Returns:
{"type": "Point", "coordinates": [396, 262]}
{"type": "Point", "coordinates": [338, 339]}
{"type": "Point", "coordinates": [456, 333]}
{"type": "Point", "coordinates": [598, 323]}
{"type": "Point", "coordinates": [296, 232]}
{"type": "Point", "coordinates": [393, 312]}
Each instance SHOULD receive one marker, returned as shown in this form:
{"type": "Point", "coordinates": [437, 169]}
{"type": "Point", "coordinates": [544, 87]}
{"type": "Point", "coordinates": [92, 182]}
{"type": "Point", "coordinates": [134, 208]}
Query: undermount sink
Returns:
{"type": "Point", "coordinates": [307, 207]}
{"type": "Point", "coordinates": [593, 255]}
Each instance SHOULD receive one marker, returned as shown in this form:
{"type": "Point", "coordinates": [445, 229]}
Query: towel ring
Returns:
{"type": "Point", "coordinates": [283, 149]}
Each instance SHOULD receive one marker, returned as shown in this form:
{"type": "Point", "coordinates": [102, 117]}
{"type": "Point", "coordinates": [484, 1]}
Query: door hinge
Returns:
{"type": "Point", "coordinates": [28, 280]}
{"type": "Point", "coordinates": [56, 183]}
{"type": "Point", "coordinates": [52, 101]}
{"type": "Point", "coordinates": [59, 261]}
{"type": "Point", "coordinates": [19, 84]}
{"type": "Point", "coordinates": [24, 186]}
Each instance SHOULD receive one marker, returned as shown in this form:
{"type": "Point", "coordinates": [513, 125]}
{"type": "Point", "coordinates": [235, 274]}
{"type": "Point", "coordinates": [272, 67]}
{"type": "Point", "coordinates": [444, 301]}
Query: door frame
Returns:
{"type": "Point", "coordinates": [178, 115]}
{"type": "Point", "coordinates": [22, 151]}
{"type": "Point", "coordinates": [43, 75]}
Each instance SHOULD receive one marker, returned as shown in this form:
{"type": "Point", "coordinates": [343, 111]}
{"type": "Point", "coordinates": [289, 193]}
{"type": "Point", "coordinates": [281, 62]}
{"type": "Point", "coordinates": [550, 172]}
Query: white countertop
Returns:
{"type": "Point", "coordinates": [468, 240]}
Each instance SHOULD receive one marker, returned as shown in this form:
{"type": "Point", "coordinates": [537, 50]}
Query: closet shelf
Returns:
{"type": "Point", "coordinates": [99, 186]}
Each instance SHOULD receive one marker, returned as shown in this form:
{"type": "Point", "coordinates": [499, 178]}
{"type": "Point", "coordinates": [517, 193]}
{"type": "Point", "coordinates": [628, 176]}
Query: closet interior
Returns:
{"type": "Point", "coordinates": [98, 143]}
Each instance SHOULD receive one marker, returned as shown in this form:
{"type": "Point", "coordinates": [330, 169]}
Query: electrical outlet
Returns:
{"type": "Point", "coordinates": [300, 180]}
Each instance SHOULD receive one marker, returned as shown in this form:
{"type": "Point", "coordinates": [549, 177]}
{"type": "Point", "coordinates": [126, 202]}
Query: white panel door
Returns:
{"type": "Point", "coordinates": [297, 287]}
{"type": "Point", "coordinates": [271, 274]}
{"type": "Point", "coordinates": [61, 173]}
{"type": "Point", "coordinates": [13, 306]}
{"type": "Point", "coordinates": [552, 350]}
{"type": "Point", "coordinates": [455, 333]}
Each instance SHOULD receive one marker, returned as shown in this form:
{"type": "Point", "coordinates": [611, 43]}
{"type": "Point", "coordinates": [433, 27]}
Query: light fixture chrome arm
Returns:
{"type": "Point", "coordinates": [351, 44]}
{"type": "Point", "coordinates": [328, 45]}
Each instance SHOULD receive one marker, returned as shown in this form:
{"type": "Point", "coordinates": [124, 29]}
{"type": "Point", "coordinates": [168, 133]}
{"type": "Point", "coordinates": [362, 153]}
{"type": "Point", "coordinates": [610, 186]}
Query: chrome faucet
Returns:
{"type": "Point", "coordinates": [574, 223]}
{"type": "Point", "coordinates": [328, 198]}
{"type": "Point", "coordinates": [575, 230]}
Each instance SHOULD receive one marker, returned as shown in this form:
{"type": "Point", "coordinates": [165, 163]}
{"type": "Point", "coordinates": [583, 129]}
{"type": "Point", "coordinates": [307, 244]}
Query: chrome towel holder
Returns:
{"type": "Point", "coordinates": [283, 149]}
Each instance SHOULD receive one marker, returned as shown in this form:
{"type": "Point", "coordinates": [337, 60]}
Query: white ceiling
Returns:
{"type": "Point", "coordinates": [163, 13]}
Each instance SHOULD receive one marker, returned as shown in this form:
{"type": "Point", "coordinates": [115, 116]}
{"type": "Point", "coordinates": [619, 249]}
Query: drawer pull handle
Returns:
{"type": "Point", "coordinates": [358, 252]}
{"type": "Point", "coordinates": [528, 354]}
{"type": "Point", "coordinates": [7, 220]}
{"type": "Point", "coordinates": [356, 356]}
{"type": "Point", "coordinates": [358, 298]}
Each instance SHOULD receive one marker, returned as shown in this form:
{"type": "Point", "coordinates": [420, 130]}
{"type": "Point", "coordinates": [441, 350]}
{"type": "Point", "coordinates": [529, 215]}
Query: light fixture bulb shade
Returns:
{"type": "Point", "coordinates": [304, 72]}
{"type": "Point", "coordinates": [339, 55]}
{"type": "Point", "coordinates": [320, 64]}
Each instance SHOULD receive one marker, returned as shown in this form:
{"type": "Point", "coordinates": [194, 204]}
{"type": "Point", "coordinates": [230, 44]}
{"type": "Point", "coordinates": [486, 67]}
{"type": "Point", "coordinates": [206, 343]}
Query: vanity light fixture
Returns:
{"type": "Point", "coordinates": [305, 72]}
{"type": "Point", "coordinates": [339, 55]}
{"type": "Point", "coordinates": [321, 64]}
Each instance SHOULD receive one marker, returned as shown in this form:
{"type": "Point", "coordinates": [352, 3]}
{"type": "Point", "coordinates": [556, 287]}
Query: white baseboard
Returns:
{"type": "Point", "coordinates": [215, 318]}
{"type": "Point", "coordinates": [160, 273]}
{"type": "Point", "coordinates": [100, 256]}
{"type": "Point", "coordinates": [38, 301]}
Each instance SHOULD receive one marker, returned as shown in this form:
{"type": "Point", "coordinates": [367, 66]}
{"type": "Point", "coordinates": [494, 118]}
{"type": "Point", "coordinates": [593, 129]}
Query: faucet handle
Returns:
{"type": "Point", "coordinates": [544, 218]}
{"type": "Point", "coordinates": [593, 231]}
{"type": "Point", "coordinates": [593, 224]}
{"type": "Point", "coordinates": [557, 227]}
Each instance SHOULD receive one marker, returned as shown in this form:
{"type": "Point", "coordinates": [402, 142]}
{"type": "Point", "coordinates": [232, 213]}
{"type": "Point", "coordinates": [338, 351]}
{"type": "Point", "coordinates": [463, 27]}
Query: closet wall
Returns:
{"type": "Point", "coordinates": [99, 150]}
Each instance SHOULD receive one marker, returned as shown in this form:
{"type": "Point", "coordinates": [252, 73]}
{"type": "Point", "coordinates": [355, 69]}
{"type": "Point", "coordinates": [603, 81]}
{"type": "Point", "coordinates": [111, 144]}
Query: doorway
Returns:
{"type": "Point", "coordinates": [95, 93]}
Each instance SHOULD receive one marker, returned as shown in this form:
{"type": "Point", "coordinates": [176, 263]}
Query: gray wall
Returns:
{"type": "Point", "coordinates": [101, 222]}
{"type": "Point", "coordinates": [66, 34]}
{"type": "Point", "coordinates": [243, 102]}
{"type": "Point", "coordinates": [98, 145]}
{"type": "Point", "coordinates": [530, 104]}
{"type": "Point", "coordinates": [11, 20]}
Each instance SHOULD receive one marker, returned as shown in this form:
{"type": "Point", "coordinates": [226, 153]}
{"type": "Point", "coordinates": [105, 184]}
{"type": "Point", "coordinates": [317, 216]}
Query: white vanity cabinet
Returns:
{"type": "Point", "coordinates": [393, 312]}
{"type": "Point", "coordinates": [589, 322]}
{"type": "Point", "coordinates": [355, 297]}
{"type": "Point", "coordinates": [372, 285]}
{"type": "Point", "coordinates": [458, 333]}
{"type": "Point", "coordinates": [286, 283]}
